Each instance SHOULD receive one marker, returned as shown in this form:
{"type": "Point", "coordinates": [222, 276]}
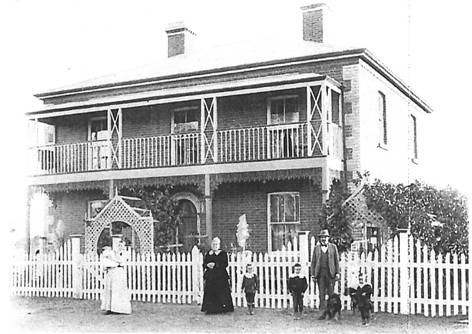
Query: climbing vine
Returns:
{"type": "Point", "coordinates": [165, 211]}
{"type": "Point", "coordinates": [437, 217]}
{"type": "Point", "coordinates": [336, 218]}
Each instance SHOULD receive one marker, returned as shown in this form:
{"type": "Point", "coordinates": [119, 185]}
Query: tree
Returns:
{"type": "Point", "coordinates": [336, 218]}
{"type": "Point", "coordinates": [436, 217]}
{"type": "Point", "coordinates": [164, 210]}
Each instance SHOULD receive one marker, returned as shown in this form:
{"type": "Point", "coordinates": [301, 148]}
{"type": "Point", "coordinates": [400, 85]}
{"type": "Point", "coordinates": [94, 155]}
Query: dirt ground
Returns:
{"type": "Point", "coordinates": [71, 315]}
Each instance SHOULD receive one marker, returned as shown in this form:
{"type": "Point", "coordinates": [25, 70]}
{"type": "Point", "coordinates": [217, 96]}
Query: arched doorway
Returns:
{"type": "Point", "coordinates": [129, 236]}
{"type": "Point", "coordinates": [188, 229]}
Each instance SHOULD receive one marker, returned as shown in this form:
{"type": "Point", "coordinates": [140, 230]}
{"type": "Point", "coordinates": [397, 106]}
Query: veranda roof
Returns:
{"type": "Point", "coordinates": [221, 86]}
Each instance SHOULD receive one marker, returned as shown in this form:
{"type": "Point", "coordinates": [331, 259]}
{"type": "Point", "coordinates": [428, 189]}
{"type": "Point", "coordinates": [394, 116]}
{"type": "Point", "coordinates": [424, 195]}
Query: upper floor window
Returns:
{"type": "Point", "coordinates": [185, 120]}
{"type": "Point", "coordinates": [283, 109]}
{"type": "Point", "coordinates": [413, 138]}
{"type": "Point", "coordinates": [382, 115]}
{"type": "Point", "coordinates": [98, 129]}
{"type": "Point", "coordinates": [335, 107]}
{"type": "Point", "coordinates": [284, 218]}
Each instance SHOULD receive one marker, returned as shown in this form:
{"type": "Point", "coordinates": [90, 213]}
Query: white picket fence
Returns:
{"type": "Point", "coordinates": [407, 277]}
{"type": "Point", "coordinates": [47, 275]}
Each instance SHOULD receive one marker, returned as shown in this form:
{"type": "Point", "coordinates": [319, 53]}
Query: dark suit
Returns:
{"type": "Point", "coordinates": [325, 273]}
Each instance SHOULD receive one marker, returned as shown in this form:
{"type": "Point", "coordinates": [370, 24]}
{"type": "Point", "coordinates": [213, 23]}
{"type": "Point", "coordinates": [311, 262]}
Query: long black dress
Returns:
{"type": "Point", "coordinates": [216, 292]}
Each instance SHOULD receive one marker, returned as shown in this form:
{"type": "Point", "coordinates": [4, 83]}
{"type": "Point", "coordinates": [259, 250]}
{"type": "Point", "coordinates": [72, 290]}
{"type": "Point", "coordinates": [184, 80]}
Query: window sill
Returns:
{"type": "Point", "coordinates": [382, 146]}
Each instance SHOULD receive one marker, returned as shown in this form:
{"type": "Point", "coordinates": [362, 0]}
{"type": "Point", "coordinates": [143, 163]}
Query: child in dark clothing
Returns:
{"type": "Point", "coordinates": [250, 287]}
{"type": "Point", "coordinates": [297, 285]}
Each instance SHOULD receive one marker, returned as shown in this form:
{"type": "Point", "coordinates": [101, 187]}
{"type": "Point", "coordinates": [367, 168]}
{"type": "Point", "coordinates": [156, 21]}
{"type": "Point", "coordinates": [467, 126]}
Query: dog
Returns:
{"type": "Point", "coordinates": [364, 302]}
{"type": "Point", "coordinates": [351, 292]}
{"type": "Point", "coordinates": [333, 308]}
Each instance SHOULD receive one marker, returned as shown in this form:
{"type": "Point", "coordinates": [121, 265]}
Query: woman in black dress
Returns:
{"type": "Point", "coordinates": [216, 292]}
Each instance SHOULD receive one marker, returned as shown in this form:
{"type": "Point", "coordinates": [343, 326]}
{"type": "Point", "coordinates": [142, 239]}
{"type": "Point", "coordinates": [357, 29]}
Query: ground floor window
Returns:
{"type": "Point", "coordinates": [283, 218]}
{"type": "Point", "coordinates": [94, 207]}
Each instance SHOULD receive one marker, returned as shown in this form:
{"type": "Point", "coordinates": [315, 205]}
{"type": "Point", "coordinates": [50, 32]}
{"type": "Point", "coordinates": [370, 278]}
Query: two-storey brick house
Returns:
{"type": "Point", "coordinates": [255, 133]}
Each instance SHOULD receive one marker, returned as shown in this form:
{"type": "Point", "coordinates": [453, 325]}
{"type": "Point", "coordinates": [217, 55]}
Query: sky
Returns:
{"type": "Point", "coordinates": [51, 43]}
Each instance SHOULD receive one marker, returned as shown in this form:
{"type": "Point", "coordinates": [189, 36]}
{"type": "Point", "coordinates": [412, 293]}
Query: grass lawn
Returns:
{"type": "Point", "coordinates": [72, 315]}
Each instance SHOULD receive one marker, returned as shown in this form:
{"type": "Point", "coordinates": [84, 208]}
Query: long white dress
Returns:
{"type": "Point", "coordinates": [116, 296]}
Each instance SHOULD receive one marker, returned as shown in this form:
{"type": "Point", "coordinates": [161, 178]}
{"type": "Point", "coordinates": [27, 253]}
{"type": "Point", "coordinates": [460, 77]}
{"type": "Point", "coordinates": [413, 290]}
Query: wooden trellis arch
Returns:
{"type": "Point", "coordinates": [117, 209]}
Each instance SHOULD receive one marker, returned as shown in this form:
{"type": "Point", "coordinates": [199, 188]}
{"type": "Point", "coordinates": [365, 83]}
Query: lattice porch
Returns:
{"type": "Point", "coordinates": [117, 210]}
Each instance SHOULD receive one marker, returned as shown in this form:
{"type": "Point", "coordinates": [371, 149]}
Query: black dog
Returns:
{"type": "Point", "coordinates": [354, 299]}
{"type": "Point", "coordinates": [333, 309]}
{"type": "Point", "coordinates": [364, 302]}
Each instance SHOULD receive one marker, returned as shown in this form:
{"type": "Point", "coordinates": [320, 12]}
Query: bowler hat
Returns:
{"type": "Point", "coordinates": [323, 233]}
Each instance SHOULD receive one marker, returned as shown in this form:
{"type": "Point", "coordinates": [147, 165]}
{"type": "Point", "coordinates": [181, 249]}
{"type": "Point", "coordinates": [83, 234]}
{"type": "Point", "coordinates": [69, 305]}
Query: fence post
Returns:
{"type": "Point", "coordinates": [304, 252]}
{"type": "Point", "coordinates": [404, 266]}
{"type": "Point", "coordinates": [77, 259]}
{"type": "Point", "coordinates": [196, 275]}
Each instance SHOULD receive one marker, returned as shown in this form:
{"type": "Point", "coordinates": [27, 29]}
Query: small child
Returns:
{"type": "Point", "coordinates": [297, 285]}
{"type": "Point", "coordinates": [250, 287]}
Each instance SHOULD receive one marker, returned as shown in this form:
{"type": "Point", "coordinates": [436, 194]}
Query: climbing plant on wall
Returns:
{"type": "Point", "coordinates": [165, 211]}
{"type": "Point", "coordinates": [437, 217]}
{"type": "Point", "coordinates": [336, 218]}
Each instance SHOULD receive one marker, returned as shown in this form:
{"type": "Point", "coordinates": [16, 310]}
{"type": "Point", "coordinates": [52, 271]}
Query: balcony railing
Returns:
{"type": "Point", "coordinates": [262, 143]}
{"type": "Point", "coordinates": [288, 141]}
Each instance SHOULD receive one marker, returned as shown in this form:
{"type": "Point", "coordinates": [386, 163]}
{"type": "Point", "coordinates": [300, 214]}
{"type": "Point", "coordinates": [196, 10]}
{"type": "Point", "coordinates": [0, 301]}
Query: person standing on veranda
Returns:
{"type": "Point", "coordinates": [325, 268]}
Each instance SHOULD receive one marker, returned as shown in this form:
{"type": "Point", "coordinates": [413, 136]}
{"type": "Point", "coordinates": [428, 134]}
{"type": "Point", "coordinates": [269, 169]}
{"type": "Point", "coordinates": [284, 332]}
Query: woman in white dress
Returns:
{"type": "Point", "coordinates": [115, 297]}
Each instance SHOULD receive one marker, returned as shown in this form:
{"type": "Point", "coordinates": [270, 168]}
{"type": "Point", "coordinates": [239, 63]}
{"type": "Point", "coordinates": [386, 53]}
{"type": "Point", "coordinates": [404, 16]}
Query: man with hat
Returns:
{"type": "Point", "coordinates": [325, 268]}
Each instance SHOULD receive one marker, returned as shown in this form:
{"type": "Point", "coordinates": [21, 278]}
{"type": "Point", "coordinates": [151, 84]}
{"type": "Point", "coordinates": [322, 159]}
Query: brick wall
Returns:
{"type": "Point", "coordinates": [71, 129]}
{"type": "Point", "coordinates": [232, 200]}
{"type": "Point", "coordinates": [71, 207]}
{"type": "Point", "coordinates": [146, 121]}
{"type": "Point", "coordinates": [176, 44]}
{"type": "Point", "coordinates": [313, 26]}
{"type": "Point", "coordinates": [351, 119]}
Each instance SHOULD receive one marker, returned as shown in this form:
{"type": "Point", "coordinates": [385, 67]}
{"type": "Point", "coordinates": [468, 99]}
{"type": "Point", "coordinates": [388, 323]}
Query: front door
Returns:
{"type": "Point", "coordinates": [188, 229]}
{"type": "Point", "coordinates": [283, 131]}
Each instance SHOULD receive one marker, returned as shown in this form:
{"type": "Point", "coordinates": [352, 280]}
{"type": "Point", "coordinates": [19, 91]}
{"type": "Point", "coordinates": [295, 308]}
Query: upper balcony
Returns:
{"type": "Point", "coordinates": [295, 120]}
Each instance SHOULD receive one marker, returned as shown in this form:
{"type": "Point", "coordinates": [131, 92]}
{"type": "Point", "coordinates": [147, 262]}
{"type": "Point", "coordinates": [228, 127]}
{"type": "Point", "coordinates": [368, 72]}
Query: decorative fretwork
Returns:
{"type": "Point", "coordinates": [117, 210]}
{"type": "Point", "coordinates": [115, 135]}
{"type": "Point", "coordinates": [208, 129]}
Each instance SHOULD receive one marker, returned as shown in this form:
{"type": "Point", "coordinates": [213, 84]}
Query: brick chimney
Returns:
{"type": "Point", "coordinates": [315, 22]}
{"type": "Point", "coordinates": [179, 38]}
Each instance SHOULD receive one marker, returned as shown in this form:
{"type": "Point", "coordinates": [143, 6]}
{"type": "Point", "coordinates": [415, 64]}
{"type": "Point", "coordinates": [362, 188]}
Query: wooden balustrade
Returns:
{"type": "Point", "coordinates": [71, 158]}
{"type": "Point", "coordinates": [262, 143]}
{"type": "Point", "coordinates": [285, 141]}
